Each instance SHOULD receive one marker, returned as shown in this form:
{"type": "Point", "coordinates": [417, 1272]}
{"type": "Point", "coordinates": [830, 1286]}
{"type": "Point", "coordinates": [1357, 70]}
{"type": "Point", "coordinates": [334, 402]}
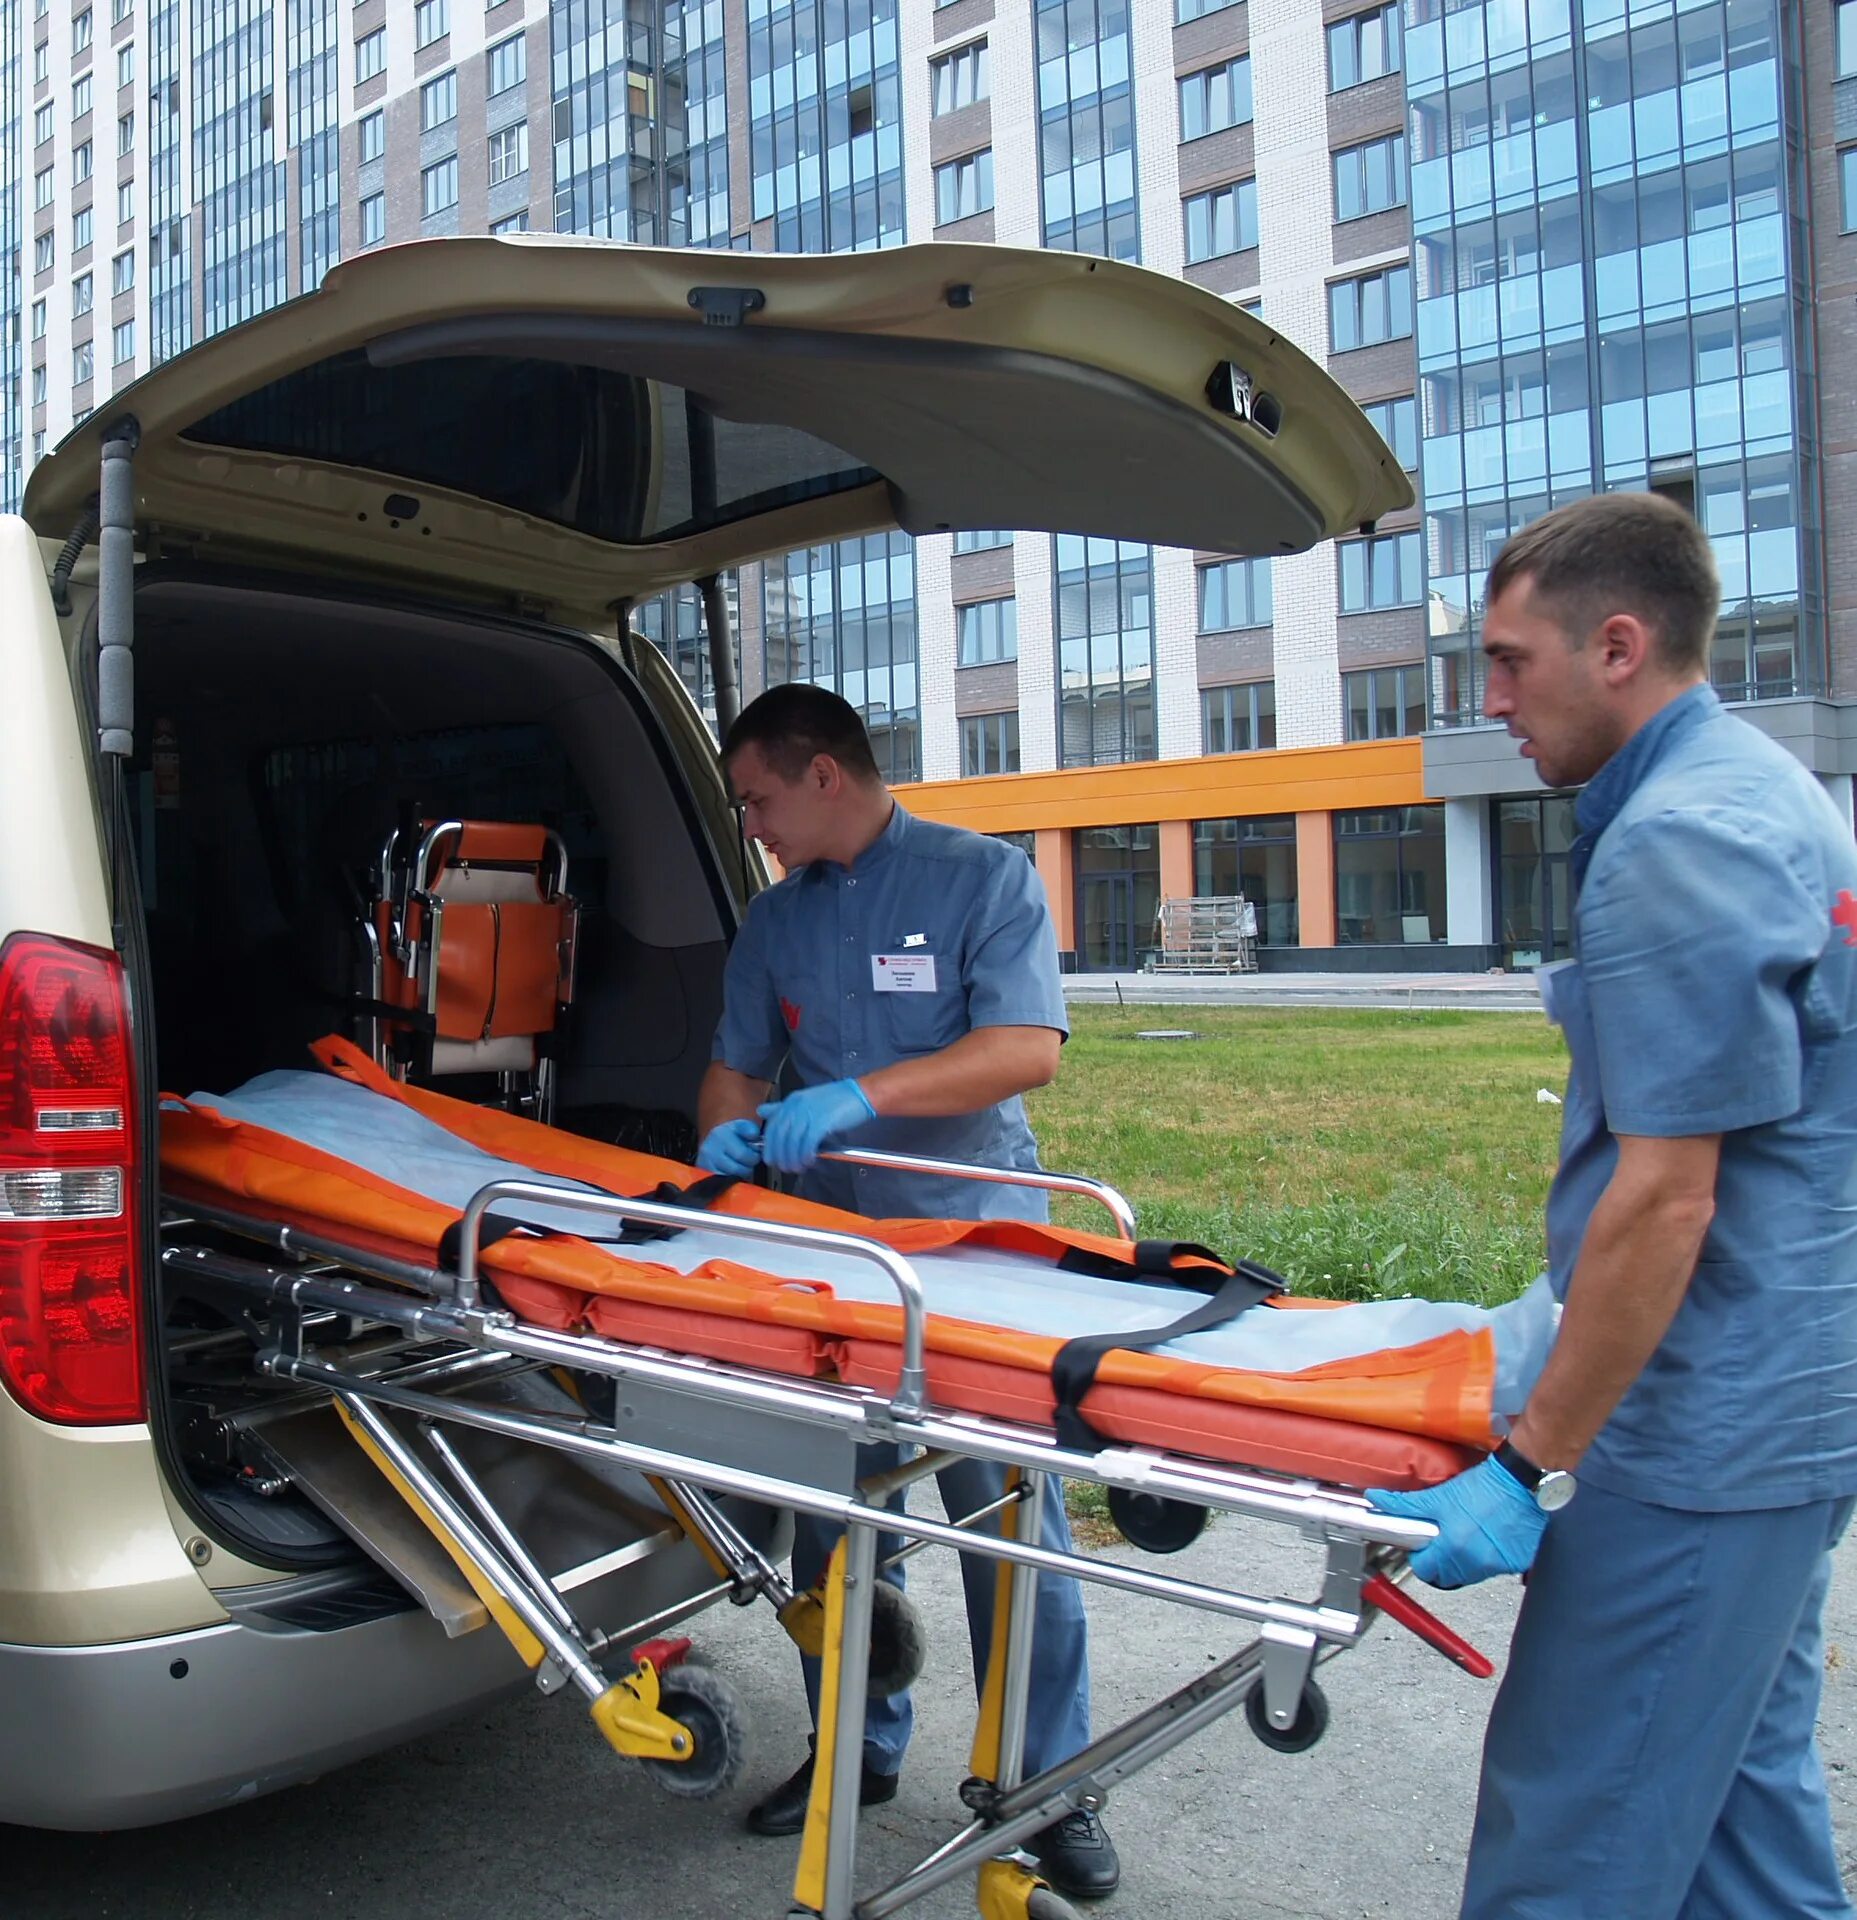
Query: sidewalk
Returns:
{"type": "Point", "coordinates": [1477, 992]}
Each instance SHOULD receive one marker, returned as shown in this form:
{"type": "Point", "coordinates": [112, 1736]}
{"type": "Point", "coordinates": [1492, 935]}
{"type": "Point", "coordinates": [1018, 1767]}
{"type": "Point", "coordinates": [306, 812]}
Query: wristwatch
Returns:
{"type": "Point", "coordinates": [1552, 1487]}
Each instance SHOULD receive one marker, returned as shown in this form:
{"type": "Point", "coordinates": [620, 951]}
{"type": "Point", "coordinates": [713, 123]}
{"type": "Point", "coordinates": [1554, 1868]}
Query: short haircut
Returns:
{"type": "Point", "coordinates": [1635, 553]}
{"type": "Point", "coordinates": [793, 724]}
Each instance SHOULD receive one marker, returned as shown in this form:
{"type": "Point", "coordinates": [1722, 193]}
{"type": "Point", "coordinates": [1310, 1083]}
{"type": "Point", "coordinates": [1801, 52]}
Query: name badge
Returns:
{"type": "Point", "coordinates": [902, 972]}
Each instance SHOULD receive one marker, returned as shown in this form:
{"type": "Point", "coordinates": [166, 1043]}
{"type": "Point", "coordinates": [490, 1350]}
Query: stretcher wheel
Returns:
{"type": "Point", "coordinates": [1042, 1904]}
{"type": "Point", "coordinates": [711, 1709]}
{"type": "Point", "coordinates": [898, 1646]}
{"type": "Point", "coordinates": [1302, 1733]}
{"type": "Point", "coordinates": [1153, 1523]}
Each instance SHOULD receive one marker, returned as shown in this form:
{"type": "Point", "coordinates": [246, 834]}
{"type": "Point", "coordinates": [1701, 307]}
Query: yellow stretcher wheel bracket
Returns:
{"type": "Point", "coordinates": [898, 1645]}
{"type": "Point", "coordinates": [1009, 1891]}
{"type": "Point", "coordinates": [686, 1728]}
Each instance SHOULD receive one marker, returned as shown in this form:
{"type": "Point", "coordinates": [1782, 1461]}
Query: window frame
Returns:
{"type": "Point", "coordinates": [427, 174]}
{"type": "Point", "coordinates": [1250, 569]}
{"type": "Point", "coordinates": [972, 57]}
{"type": "Point", "coordinates": [442, 88]}
{"type": "Point", "coordinates": [1366, 546]}
{"type": "Point", "coordinates": [1005, 626]}
{"type": "Point", "coordinates": [1352, 27]}
{"type": "Point", "coordinates": [1368, 679]}
{"type": "Point", "coordinates": [1199, 82]}
{"type": "Point", "coordinates": [1258, 701]}
{"type": "Point", "coordinates": [375, 47]}
{"type": "Point", "coordinates": [518, 40]}
{"type": "Point", "coordinates": [1354, 287]}
{"type": "Point", "coordinates": [976, 166]}
{"type": "Point", "coordinates": [1355, 162]}
{"type": "Point", "coordinates": [988, 738]}
{"type": "Point", "coordinates": [1242, 194]}
{"type": "Point", "coordinates": [517, 134]}
{"type": "Point", "coordinates": [425, 13]}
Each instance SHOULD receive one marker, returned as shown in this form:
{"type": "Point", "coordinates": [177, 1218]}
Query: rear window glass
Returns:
{"type": "Point", "coordinates": [606, 453]}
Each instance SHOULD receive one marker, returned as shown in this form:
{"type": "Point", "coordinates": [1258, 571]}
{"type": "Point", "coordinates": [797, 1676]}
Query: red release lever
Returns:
{"type": "Point", "coordinates": [1397, 1604]}
{"type": "Point", "coordinates": [663, 1653]}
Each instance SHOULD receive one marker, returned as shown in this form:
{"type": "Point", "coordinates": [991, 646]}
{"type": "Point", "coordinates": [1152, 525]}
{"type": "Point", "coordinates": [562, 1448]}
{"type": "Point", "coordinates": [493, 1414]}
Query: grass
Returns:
{"type": "Point", "coordinates": [1361, 1154]}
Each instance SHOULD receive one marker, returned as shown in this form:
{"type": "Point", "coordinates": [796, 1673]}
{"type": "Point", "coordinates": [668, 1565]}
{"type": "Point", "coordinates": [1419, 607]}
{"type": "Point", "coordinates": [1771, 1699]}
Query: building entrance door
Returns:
{"type": "Point", "coordinates": [1535, 879]}
{"type": "Point", "coordinates": [1108, 935]}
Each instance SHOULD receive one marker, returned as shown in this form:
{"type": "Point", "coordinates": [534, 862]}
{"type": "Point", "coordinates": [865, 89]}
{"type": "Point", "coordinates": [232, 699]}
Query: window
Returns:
{"type": "Point", "coordinates": [1845, 15]}
{"type": "Point", "coordinates": [1384, 702]}
{"type": "Point", "coordinates": [38, 319]}
{"type": "Point", "coordinates": [1233, 594]}
{"type": "Point", "coordinates": [122, 272]}
{"type": "Point", "coordinates": [122, 342]}
{"type": "Point", "coordinates": [125, 133]}
{"type": "Point", "coordinates": [120, 10]}
{"type": "Point", "coordinates": [1239, 719]}
{"type": "Point", "coordinates": [958, 79]}
{"type": "Point", "coordinates": [1222, 221]}
{"type": "Point", "coordinates": [1389, 876]}
{"type": "Point", "coordinates": [80, 163]}
{"type": "Point", "coordinates": [1363, 48]}
{"type": "Point", "coordinates": [371, 55]}
{"type": "Point", "coordinates": [513, 223]}
{"type": "Point", "coordinates": [438, 186]}
{"type": "Point", "coordinates": [83, 294]}
{"type": "Point", "coordinates": [80, 31]}
{"type": "Point", "coordinates": [1255, 859]}
{"type": "Point", "coordinates": [42, 253]}
{"type": "Point", "coordinates": [1215, 98]}
{"type": "Point", "coordinates": [1185, 10]}
{"type": "Point", "coordinates": [509, 153]}
{"type": "Point", "coordinates": [125, 202]}
{"type": "Point", "coordinates": [506, 65]}
{"type": "Point", "coordinates": [82, 363]}
{"type": "Point", "coordinates": [964, 187]}
{"type": "Point", "coordinates": [431, 21]}
{"type": "Point", "coordinates": [42, 188]}
{"type": "Point", "coordinates": [80, 230]}
{"type": "Point", "coordinates": [981, 540]}
{"type": "Point", "coordinates": [1397, 423]}
{"type": "Point", "coordinates": [125, 65]}
{"type": "Point", "coordinates": [39, 386]}
{"type": "Point", "coordinates": [373, 130]}
{"type": "Point", "coordinates": [38, 444]}
{"type": "Point", "coordinates": [44, 124]}
{"type": "Point", "coordinates": [1847, 189]}
{"type": "Point", "coordinates": [1370, 178]}
{"type": "Point", "coordinates": [989, 632]}
{"type": "Point", "coordinates": [80, 97]}
{"type": "Point", "coordinates": [438, 101]}
{"type": "Point", "coordinates": [41, 62]}
{"type": "Point", "coordinates": [989, 744]}
{"type": "Point", "coordinates": [373, 219]}
{"type": "Point", "coordinates": [1376, 307]}
{"type": "Point", "coordinates": [1381, 572]}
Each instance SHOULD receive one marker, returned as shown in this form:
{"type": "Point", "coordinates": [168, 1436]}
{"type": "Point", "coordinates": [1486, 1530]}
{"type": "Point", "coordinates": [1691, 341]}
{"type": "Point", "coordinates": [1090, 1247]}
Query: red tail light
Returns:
{"type": "Point", "coordinates": [70, 1255]}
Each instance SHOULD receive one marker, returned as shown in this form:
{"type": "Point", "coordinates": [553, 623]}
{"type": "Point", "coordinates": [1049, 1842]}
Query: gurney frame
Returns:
{"type": "Point", "coordinates": [747, 1418]}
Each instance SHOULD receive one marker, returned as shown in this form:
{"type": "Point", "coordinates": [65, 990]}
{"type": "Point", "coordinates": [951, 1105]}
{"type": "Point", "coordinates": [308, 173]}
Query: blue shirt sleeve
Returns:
{"type": "Point", "coordinates": [1694, 934]}
{"type": "Point", "coordinates": [751, 1037]}
{"type": "Point", "coordinates": [1012, 975]}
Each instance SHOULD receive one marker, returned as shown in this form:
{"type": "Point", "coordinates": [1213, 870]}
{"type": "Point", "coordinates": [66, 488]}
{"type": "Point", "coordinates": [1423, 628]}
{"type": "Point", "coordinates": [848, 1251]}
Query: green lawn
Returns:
{"type": "Point", "coordinates": [1360, 1153]}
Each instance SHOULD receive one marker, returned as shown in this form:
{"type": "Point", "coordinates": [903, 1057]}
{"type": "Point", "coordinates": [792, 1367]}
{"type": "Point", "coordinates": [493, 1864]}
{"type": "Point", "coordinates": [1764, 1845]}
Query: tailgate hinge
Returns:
{"type": "Point", "coordinates": [726, 306]}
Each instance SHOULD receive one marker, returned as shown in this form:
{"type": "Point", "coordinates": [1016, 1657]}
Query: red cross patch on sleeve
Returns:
{"type": "Point", "coordinates": [790, 1014]}
{"type": "Point", "coordinates": [1844, 915]}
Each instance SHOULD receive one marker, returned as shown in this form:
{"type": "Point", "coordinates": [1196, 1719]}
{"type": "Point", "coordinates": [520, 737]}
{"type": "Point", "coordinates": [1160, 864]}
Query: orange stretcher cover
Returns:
{"type": "Point", "coordinates": [1401, 1417]}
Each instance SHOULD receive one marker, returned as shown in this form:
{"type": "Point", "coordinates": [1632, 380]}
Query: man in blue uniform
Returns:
{"type": "Point", "coordinates": [1651, 1751]}
{"type": "Point", "coordinates": [908, 973]}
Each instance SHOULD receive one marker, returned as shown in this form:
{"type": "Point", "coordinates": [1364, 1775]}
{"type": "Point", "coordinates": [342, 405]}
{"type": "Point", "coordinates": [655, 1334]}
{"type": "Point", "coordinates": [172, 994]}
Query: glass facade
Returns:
{"type": "Point", "coordinates": [825, 104]}
{"type": "Point", "coordinates": [1105, 647]}
{"type": "Point", "coordinates": [700, 187]}
{"type": "Point", "coordinates": [1118, 896]}
{"type": "Point", "coordinates": [170, 264]}
{"type": "Point", "coordinates": [617, 79]}
{"type": "Point", "coordinates": [844, 617]}
{"type": "Point", "coordinates": [1389, 876]}
{"type": "Point", "coordinates": [1611, 287]}
{"type": "Point", "coordinates": [1534, 878]}
{"type": "Point", "coordinates": [673, 622]}
{"type": "Point", "coordinates": [314, 113]}
{"type": "Point", "coordinates": [12, 266]}
{"type": "Point", "coordinates": [239, 188]}
{"type": "Point", "coordinates": [1086, 127]}
{"type": "Point", "coordinates": [1255, 858]}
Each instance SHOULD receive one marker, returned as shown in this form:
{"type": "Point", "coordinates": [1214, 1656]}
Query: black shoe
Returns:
{"type": "Point", "coordinates": [1077, 1857]}
{"type": "Point", "coordinates": [784, 1810]}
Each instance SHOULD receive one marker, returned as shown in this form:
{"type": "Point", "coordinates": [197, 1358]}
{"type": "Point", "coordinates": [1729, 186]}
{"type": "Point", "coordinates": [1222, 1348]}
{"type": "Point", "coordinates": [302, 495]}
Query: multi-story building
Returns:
{"type": "Point", "coordinates": [1551, 246]}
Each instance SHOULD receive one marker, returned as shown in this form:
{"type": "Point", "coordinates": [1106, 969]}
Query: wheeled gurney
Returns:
{"type": "Point", "coordinates": [735, 1343]}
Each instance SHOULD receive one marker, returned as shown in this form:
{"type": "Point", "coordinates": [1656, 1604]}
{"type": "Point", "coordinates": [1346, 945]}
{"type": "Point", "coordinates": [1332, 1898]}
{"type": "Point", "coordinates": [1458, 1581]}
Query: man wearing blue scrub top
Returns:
{"type": "Point", "coordinates": [907, 974]}
{"type": "Point", "coordinates": [1651, 1752]}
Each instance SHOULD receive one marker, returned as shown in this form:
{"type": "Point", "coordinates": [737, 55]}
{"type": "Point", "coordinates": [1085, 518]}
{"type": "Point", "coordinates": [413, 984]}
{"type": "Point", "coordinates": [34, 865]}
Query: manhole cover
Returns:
{"type": "Point", "coordinates": [1167, 1033]}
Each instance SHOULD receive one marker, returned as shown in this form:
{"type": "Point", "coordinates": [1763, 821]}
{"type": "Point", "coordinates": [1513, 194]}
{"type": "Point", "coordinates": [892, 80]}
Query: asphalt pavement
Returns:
{"type": "Point", "coordinates": [523, 1814]}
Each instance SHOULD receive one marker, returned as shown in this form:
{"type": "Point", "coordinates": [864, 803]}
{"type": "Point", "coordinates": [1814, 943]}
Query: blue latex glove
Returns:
{"type": "Point", "coordinates": [798, 1126]}
{"type": "Point", "coordinates": [1487, 1523]}
{"type": "Point", "coordinates": [734, 1147]}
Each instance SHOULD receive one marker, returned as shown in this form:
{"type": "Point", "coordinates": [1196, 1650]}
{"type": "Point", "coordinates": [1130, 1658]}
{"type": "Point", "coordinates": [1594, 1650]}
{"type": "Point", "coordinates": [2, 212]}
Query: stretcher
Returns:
{"type": "Point", "coordinates": [725, 1341]}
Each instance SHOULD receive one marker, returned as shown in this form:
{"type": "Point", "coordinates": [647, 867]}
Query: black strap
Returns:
{"type": "Point", "coordinates": [416, 1019]}
{"type": "Point", "coordinates": [1073, 1372]}
{"type": "Point", "coordinates": [1146, 1260]}
{"type": "Point", "coordinates": [699, 1196]}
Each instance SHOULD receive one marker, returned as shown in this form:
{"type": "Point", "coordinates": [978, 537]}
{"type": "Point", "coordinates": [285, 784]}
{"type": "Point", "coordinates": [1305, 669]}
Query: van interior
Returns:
{"type": "Point", "coordinates": [282, 733]}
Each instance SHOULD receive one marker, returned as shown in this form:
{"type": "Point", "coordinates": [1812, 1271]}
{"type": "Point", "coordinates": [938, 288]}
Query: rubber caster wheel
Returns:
{"type": "Point", "coordinates": [1153, 1523]}
{"type": "Point", "coordinates": [1042, 1904]}
{"type": "Point", "coordinates": [1302, 1733]}
{"type": "Point", "coordinates": [711, 1709]}
{"type": "Point", "coordinates": [898, 1645]}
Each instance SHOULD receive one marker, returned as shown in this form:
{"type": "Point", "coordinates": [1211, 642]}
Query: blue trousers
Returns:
{"type": "Point", "coordinates": [1651, 1754]}
{"type": "Point", "coordinates": [1057, 1720]}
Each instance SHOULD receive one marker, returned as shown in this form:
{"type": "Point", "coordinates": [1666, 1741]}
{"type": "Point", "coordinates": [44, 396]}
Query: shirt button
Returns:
{"type": "Point", "coordinates": [851, 883]}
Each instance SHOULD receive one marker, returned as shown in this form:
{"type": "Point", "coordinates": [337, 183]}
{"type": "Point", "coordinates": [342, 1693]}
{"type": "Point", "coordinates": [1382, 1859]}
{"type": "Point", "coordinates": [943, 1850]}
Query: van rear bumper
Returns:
{"type": "Point", "coordinates": [142, 1731]}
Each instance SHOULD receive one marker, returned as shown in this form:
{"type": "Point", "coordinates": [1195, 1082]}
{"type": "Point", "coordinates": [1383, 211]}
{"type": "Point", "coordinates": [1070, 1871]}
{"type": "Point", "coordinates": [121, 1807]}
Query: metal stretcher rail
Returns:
{"type": "Point", "coordinates": [698, 1428]}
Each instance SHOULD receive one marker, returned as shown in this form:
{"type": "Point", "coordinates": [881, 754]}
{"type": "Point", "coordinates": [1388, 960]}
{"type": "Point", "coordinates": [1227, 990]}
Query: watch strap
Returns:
{"type": "Point", "coordinates": [1518, 1463]}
